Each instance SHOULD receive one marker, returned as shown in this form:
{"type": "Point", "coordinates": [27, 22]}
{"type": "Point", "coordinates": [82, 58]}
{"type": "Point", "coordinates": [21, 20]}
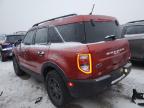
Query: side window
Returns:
{"type": "Point", "coordinates": [54, 36]}
{"type": "Point", "coordinates": [28, 40]}
{"type": "Point", "coordinates": [72, 32]}
{"type": "Point", "coordinates": [41, 36]}
{"type": "Point", "coordinates": [135, 30]}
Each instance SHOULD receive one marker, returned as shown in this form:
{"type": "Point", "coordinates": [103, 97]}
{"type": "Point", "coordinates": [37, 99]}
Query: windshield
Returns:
{"type": "Point", "coordinates": [97, 31]}
{"type": "Point", "coordinates": [2, 38]}
{"type": "Point", "coordinates": [14, 38]}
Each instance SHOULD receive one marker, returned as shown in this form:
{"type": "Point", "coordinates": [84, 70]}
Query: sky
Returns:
{"type": "Point", "coordinates": [20, 15]}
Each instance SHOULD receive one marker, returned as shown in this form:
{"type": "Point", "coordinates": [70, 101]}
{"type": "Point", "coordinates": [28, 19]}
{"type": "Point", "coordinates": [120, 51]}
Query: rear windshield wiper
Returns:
{"type": "Point", "coordinates": [110, 37]}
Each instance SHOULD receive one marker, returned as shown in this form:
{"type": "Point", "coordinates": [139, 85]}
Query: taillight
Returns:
{"type": "Point", "coordinates": [84, 63]}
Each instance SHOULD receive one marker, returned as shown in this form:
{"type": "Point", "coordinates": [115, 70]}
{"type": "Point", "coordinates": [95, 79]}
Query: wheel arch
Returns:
{"type": "Point", "coordinates": [47, 67]}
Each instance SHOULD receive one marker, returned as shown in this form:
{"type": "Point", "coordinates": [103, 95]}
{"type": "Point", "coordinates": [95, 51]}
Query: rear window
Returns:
{"type": "Point", "coordinates": [55, 37]}
{"type": "Point", "coordinates": [139, 29]}
{"type": "Point", "coordinates": [97, 31]}
{"type": "Point", "coordinates": [14, 38]}
{"type": "Point", "coordinates": [89, 32]}
{"type": "Point", "coordinates": [41, 36]}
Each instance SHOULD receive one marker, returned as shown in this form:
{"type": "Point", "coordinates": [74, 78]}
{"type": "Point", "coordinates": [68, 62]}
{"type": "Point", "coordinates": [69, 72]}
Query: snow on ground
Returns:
{"type": "Point", "coordinates": [23, 92]}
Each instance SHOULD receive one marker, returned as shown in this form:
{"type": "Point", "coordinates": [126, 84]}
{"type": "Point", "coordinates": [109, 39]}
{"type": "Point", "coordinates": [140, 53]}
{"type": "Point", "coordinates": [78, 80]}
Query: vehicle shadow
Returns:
{"type": "Point", "coordinates": [25, 77]}
{"type": "Point", "coordinates": [72, 105]}
{"type": "Point", "coordinates": [7, 60]}
{"type": "Point", "coordinates": [138, 65]}
{"type": "Point", "coordinates": [104, 99]}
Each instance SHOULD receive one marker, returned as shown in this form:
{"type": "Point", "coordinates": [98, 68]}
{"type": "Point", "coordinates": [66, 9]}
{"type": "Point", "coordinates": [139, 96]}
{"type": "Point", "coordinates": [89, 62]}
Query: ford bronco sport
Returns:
{"type": "Point", "coordinates": [75, 55]}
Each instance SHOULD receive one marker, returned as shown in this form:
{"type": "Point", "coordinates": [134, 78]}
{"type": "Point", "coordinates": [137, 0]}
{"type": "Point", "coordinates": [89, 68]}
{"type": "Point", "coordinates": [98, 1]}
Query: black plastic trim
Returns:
{"type": "Point", "coordinates": [91, 87]}
{"type": "Point", "coordinates": [56, 67]}
{"type": "Point", "coordinates": [34, 74]}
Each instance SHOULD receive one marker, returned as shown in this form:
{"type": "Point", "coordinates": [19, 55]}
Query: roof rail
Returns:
{"type": "Point", "coordinates": [54, 19]}
{"type": "Point", "coordinates": [136, 21]}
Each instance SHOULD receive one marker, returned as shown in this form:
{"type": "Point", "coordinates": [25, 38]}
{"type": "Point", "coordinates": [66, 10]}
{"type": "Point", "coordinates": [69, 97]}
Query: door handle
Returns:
{"type": "Point", "coordinates": [40, 53]}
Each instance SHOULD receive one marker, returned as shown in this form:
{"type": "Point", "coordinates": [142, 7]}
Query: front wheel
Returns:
{"type": "Point", "coordinates": [17, 69]}
{"type": "Point", "coordinates": [57, 91]}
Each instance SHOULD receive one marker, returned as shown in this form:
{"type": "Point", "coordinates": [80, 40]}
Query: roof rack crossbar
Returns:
{"type": "Point", "coordinates": [54, 19]}
{"type": "Point", "coordinates": [136, 21]}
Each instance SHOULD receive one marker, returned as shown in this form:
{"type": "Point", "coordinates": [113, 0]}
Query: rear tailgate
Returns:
{"type": "Point", "coordinates": [108, 56]}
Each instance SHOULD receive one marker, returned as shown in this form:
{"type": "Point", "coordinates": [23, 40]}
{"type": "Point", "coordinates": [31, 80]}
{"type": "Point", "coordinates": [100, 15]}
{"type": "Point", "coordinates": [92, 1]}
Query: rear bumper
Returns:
{"type": "Point", "coordinates": [84, 88]}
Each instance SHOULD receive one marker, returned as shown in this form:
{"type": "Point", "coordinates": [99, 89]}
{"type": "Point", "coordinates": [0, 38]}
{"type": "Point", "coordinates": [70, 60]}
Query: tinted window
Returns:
{"type": "Point", "coordinates": [97, 31]}
{"type": "Point", "coordinates": [29, 37]}
{"type": "Point", "coordinates": [14, 38]}
{"type": "Point", "coordinates": [55, 37]}
{"type": "Point", "coordinates": [135, 30]}
{"type": "Point", "coordinates": [72, 32]}
{"type": "Point", "coordinates": [41, 36]}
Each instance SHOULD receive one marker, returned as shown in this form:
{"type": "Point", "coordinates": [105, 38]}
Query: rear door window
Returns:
{"type": "Point", "coordinates": [41, 36]}
{"type": "Point", "coordinates": [72, 32]}
{"type": "Point", "coordinates": [55, 36]}
{"type": "Point", "coordinates": [139, 29]}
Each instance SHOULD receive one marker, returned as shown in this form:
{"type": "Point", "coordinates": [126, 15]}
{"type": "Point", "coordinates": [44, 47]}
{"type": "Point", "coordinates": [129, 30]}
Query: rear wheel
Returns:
{"type": "Point", "coordinates": [17, 69]}
{"type": "Point", "coordinates": [57, 91]}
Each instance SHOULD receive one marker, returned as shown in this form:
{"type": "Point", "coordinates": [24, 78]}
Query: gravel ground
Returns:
{"type": "Point", "coordinates": [23, 92]}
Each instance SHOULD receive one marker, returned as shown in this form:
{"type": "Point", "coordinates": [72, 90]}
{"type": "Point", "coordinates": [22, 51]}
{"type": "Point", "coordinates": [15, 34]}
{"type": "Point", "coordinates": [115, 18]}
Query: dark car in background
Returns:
{"type": "Point", "coordinates": [134, 32]}
{"type": "Point", "coordinates": [7, 43]}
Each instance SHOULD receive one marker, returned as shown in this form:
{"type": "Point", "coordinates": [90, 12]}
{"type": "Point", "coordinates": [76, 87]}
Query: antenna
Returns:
{"type": "Point", "coordinates": [92, 9]}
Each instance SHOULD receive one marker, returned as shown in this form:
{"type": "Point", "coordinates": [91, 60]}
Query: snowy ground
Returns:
{"type": "Point", "coordinates": [23, 92]}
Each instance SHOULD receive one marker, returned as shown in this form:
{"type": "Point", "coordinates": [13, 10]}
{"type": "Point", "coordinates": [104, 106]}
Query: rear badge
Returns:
{"type": "Point", "coordinates": [99, 65]}
{"type": "Point", "coordinates": [115, 52]}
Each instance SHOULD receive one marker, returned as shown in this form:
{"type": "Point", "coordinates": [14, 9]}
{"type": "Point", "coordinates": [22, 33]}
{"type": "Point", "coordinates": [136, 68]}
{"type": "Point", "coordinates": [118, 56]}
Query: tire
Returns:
{"type": "Point", "coordinates": [17, 69]}
{"type": "Point", "coordinates": [57, 90]}
{"type": "Point", "coordinates": [2, 57]}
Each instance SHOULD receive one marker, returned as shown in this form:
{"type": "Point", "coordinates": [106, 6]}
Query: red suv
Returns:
{"type": "Point", "coordinates": [75, 55]}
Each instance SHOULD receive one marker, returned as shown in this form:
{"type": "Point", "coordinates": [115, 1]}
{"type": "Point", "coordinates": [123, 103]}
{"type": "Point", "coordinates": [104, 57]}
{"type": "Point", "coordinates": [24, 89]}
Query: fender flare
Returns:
{"type": "Point", "coordinates": [53, 65]}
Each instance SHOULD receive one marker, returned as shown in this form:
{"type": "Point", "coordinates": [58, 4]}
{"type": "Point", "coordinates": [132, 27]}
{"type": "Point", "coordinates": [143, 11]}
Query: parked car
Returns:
{"type": "Point", "coordinates": [134, 32]}
{"type": "Point", "coordinates": [6, 44]}
{"type": "Point", "coordinates": [74, 55]}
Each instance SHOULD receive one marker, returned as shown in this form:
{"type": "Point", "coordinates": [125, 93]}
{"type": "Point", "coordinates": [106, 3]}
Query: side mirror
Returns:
{"type": "Point", "coordinates": [17, 42]}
